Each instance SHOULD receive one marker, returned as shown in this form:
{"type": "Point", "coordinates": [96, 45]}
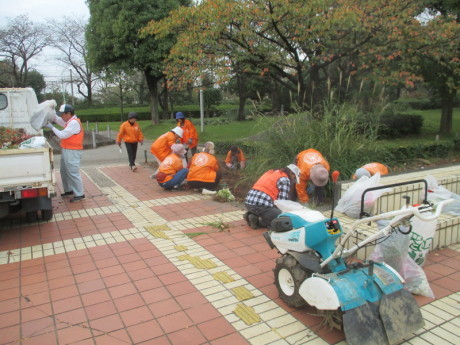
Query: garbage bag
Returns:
{"type": "Point", "coordinates": [421, 238]}
{"type": "Point", "coordinates": [33, 142]}
{"type": "Point", "coordinates": [43, 114]}
{"type": "Point", "coordinates": [394, 251]}
{"type": "Point", "coordinates": [437, 193]}
{"type": "Point", "coordinates": [350, 202]}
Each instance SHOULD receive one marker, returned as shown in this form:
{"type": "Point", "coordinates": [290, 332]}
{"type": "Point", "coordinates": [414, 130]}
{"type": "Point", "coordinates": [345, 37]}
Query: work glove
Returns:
{"type": "Point", "coordinates": [142, 143]}
{"type": "Point", "coordinates": [119, 144]}
{"type": "Point", "coordinates": [49, 125]}
{"type": "Point", "coordinates": [190, 141]}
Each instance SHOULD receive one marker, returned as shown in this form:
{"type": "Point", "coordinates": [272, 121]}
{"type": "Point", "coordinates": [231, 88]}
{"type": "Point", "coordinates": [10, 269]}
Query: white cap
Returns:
{"type": "Point", "coordinates": [319, 175]}
{"type": "Point", "coordinates": [295, 169]}
{"type": "Point", "coordinates": [362, 172]}
{"type": "Point", "coordinates": [179, 131]}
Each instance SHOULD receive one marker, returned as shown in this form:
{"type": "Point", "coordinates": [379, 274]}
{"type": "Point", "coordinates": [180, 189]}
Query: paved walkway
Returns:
{"type": "Point", "coordinates": [133, 264]}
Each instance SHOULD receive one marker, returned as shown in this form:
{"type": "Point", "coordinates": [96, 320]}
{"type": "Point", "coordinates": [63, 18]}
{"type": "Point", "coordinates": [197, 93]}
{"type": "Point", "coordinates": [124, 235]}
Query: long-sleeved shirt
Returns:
{"type": "Point", "coordinates": [71, 127]}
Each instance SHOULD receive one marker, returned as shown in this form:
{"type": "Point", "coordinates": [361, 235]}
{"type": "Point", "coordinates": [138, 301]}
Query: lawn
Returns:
{"type": "Point", "coordinates": [236, 130]}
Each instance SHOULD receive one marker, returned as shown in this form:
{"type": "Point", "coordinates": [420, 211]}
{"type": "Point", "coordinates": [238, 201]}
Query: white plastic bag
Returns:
{"type": "Point", "coordinates": [421, 238]}
{"type": "Point", "coordinates": [437, 193]}
{"type": "Point", "coordinates": [350, 202]}
{"type": "Point", "coordinates": [34, 142]}
{"type": "Point", "coordinates": [43, 114]}
{"type": "Point", "coordinates": [394, 252]}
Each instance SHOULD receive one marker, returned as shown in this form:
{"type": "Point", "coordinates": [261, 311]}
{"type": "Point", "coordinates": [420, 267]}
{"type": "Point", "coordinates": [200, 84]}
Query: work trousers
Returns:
{"type": "Point", "coordinates": [265, 213]}
{"type": "Point", "coordinates": [178, 178]}
{"type": "Point", "coordinates": [206, 185]}
{"type": "Point", "coordinates": [70, 171]}
{"type": "Point", "coordinates": [131, 148]}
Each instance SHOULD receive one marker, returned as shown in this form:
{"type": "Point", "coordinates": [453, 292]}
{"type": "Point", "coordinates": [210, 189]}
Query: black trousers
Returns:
{"type": "Point", "coordinates": [206, 185]}
{"type": "Point", "coordinates": [131, 148]}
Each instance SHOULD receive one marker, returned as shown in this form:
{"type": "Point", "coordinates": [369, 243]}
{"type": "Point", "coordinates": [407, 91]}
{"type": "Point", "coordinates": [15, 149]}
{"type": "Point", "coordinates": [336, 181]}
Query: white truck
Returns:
{"type": "Point", "coordinates": [27, 178]}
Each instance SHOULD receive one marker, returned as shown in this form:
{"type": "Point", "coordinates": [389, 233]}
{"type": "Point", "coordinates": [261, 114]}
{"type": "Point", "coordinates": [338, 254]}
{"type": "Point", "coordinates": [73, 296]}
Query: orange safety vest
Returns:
{"type": "Point", "coordinates": [240, 156]}
{"type": "Point", "coordinates": [375, 168]}
{"type": "Point", "coordinates": [162, 146]}
{"type": "Point", "coordinates": [267, 183]}
{"type": "Point", "coordinates": [203, 168]}
{"type": "Point", "coordinates": [74, 142]}
{"type": "Point", "coordinates": [170, 166]}
{"type": "Point", "coordinates": [305, 160]}
{"type": "Point", "coordinates": [189, 133]}
{"type": "Point", "coordinates": [130, 133]}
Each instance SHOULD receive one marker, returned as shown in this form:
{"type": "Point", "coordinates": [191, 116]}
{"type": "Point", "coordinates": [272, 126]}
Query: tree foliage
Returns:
{"type": "Point", "coordinates": [20, 41]}
{"type": "Point", "coordinates": [309, 47]}
{"type": "Point", "coordinates": [114, 41]}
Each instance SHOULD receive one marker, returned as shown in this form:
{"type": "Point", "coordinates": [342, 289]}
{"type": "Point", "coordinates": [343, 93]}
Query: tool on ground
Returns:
{"type": "Point", "coordinates": [314, 270]}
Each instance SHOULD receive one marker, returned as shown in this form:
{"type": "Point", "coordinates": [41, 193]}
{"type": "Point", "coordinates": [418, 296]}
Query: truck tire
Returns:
{"type": "Point", "coordinates": [47, 215]}
{"type": "Point", "coordinates": [32, 216]}
{"type": "Point", "coordinates": [289, 275]}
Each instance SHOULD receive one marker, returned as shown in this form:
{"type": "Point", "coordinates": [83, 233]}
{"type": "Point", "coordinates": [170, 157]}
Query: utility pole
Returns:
{"type": "Point", "coordinates": [71, 86]}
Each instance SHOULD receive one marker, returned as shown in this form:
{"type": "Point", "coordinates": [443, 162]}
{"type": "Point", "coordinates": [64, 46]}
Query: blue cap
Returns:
{"type": "Point", "coordinates": [180, 115]}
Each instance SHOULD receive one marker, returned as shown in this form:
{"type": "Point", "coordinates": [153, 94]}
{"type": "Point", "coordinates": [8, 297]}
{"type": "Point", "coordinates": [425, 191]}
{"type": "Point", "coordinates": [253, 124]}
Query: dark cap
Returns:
{"type": "Point", "coordinates": [132, 115]}
{"type": "Point", "coordinates": [65, 108]}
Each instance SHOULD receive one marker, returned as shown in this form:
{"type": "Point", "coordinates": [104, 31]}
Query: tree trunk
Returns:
{"type": "Point", "coordinates": [240, 83]}
{"type": "Point", "coordinates": [165, 102]}
{"type": "Point", "coordinates": [152, 84]}
{"type": "Point", "coordinates": [447, 106]}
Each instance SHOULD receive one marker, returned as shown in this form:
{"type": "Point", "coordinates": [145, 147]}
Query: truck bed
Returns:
{"type": "Point", "coordinates": [26, 167]}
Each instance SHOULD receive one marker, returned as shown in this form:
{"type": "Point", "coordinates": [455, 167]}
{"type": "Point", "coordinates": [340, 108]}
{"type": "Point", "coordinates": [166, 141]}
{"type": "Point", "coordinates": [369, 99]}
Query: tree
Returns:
{"type": "Point", "coordinates": [301, 45]}
{"type": "Point", "coordinates": [20, 41]}
{"type": "Point", "coordinates": [113, 39]}
{"type": "Point", "coordinates": [69, 39]}
{"type": "Point", "coordinates": [37, 82]}
{"type": "Point", "coordinates": [441, 70]}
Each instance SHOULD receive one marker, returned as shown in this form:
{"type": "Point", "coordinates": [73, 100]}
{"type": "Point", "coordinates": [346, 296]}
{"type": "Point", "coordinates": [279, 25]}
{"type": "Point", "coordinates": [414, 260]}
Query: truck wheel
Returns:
{"type": "Point", "coordinates": [47, 215]}
{"type": "Point", "coordinates": [289, 275]}
{"type": "Point", "coordinates": [32, 216]}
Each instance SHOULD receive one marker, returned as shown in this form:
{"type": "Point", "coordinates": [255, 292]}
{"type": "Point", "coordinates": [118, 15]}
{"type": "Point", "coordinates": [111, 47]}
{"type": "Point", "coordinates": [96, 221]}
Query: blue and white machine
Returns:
{"type": "Point", "coordinates": [313, 271]}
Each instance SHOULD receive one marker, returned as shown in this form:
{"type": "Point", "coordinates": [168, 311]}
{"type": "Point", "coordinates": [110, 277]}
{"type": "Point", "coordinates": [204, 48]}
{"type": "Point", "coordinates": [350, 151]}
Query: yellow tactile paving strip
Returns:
{"type": "Point", "coordinates": [253, 314]}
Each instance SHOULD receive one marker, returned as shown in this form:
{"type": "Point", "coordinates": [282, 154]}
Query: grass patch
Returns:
{"type": "Point", "coordinates": [194, 234]}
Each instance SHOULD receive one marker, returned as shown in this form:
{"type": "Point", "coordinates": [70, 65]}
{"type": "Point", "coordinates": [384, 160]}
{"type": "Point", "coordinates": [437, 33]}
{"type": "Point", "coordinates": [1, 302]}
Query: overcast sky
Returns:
{"type": "Point", "coordinates": [39, 11]}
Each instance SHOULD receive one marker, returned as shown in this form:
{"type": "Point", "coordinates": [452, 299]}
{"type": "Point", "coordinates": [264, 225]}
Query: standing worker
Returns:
{"type": "Point", "coordinates": [190, 137]}
{"type": "Point", "coordinates": [370, 169]}
{"type": "Point", "coordinates": [72, 149]}
{"type": "Point", "coordinates": [273, 185]}
{"type": "Point", "coordinates": [131, 134]}
{"type": "Point", "coordinates": [204, 170]}
{"type": "Point", "coordinates": [161, 147]}
{"type": "Point", "coordinates": [235, 158]}
{"type": "Point", "coordinates": [314, 175]}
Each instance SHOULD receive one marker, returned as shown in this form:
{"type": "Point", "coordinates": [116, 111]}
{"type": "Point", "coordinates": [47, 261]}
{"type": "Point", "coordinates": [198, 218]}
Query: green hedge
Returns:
{"type": "Point", "coordinates": [400, 125]}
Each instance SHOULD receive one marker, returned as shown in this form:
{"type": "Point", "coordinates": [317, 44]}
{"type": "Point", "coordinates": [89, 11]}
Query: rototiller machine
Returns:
{"type": "Point", "coordinates": [314, 270]}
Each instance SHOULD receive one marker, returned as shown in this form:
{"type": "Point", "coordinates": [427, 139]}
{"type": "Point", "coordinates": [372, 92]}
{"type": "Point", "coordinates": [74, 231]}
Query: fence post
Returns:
{"type": "Point", "coordinates": [145, 156]}
{"type": "Point", "coordinates": [94, 139]}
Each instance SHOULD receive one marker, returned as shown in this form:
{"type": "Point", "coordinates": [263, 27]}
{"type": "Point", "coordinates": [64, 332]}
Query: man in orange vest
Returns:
{"type": "Point", "coordinates": [190, 137]}
{"type": "Point", "coordinates": [131, 134]}
{"type": "Point", "coordinates": [273, 185]}
{"type": "Point", "coordinates": [161, 147]}
{"type": "Point", "coordinates": [370, 169]}
{"type": "Point", "coordinates": [72, 149]}
{"type": "Point", "coordinates": [204, 170]}
{"type": "Point", "coordinates": [314, 175]}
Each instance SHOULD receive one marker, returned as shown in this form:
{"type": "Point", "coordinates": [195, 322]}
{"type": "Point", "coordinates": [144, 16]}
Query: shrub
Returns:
{"type": "Point", "coordinates": [396, 126]}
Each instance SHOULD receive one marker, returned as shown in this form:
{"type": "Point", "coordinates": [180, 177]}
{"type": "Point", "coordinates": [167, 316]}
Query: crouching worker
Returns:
{"type": "Point", "coordinates": [171, 172]}
{"type": "Point", "coordinates": [271, 186]}
{"type": "Point", "coordinates": [370, 170]}
{"type": "Point", "coordinates": [204, 170]}
{"type": "Point", "coordinates": [235, 158]}
{"type": "Point", "coordinates": [314, 175]}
